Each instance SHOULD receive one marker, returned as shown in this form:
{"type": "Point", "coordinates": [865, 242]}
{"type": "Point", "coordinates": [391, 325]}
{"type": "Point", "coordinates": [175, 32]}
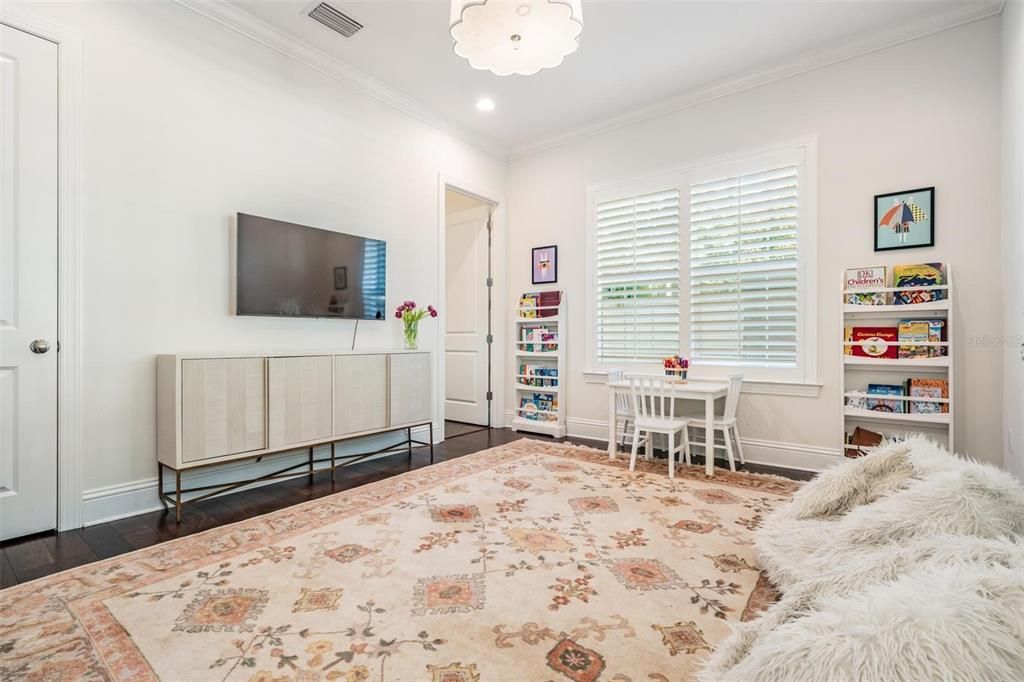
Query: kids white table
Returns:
{"type": "Point", "coordinates": [705, 390]}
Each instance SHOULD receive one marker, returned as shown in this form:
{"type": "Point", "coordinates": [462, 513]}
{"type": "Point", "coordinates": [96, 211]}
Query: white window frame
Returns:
{"type": "Point", "coordinates": [799, 380]}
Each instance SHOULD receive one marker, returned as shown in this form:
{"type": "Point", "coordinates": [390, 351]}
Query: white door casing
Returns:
{"type": "Point", "coordinates": [28, 283]}
{"type": "Point", "coordinates": [466, 313]}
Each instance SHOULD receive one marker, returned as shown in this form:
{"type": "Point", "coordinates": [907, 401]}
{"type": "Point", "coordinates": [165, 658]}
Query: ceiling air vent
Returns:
{"type": "Point", "coordinates": [335, 19]}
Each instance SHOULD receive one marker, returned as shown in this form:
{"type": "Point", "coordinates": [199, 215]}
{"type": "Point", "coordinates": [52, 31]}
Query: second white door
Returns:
{"type": "Point", "coordinates": [466, 317]}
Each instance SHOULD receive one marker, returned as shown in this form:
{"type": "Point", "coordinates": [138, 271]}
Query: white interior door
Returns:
{"type": "Point", "coordinates": [28, 284]}
{"type": "Point", "coordinates": [466, 317]}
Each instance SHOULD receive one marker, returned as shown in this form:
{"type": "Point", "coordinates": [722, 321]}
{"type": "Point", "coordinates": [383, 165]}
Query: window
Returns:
{"type": "Point", "coordinates": [637, 277]}
{"type": "Point", "coordinates": [713, 261]}
{"type": "Point", "coordinates": [744, 268]}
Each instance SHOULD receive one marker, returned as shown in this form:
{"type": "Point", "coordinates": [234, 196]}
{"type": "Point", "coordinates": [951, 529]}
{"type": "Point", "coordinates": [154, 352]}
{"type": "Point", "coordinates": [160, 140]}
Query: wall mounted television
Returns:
{"type": "Point", "coordinates": [290, 270]}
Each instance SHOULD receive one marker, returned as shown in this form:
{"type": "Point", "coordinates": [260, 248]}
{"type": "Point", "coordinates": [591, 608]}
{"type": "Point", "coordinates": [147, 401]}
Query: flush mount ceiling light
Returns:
{"type": "Point", "coordinates": [515, 36]}
{"type": "Point", "coordinates": [485, 104]}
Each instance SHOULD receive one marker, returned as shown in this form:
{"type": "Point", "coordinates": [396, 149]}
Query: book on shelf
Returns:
{"type": "Point", "coordinates": [882, 405]}
{"type": "Point", "coordinates": [866, 278]}
{"type": "Point", "coordinates": [538, 407]}
{"type": "Point", "coordinates": [914, 332]}
{"type": "Point", "coordinates": [863, 438]}
{"type": "Point", "coordinates": [927, 388]}
{"type": "Point", "coordinates": [920, 275]}
{"type": "Point", "coordinates": [539, 340]}
{"type": "Point", "coordinates": [528, 306]}
{"type": "Point", "coordinates": [872, 342]}
{"type": "Point", "coordinates": [549, 302]}
{"type": "Point", "coordinates": [538, 376]}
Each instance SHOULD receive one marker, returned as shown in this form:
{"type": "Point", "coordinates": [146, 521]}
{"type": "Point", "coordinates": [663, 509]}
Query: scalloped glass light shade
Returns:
{"type": "Point", "coordinates": [516, 36]}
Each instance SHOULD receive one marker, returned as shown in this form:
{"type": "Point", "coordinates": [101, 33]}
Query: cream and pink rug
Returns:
{"type": "Point", "coordinates": [531, 561]}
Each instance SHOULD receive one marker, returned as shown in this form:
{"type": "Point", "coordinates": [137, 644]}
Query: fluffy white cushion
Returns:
{"type": "Point", "coordinates": [933, 623]}
{"type": "Point", "coordinates": [903, 491]}
{"type": "Point", "coordinates": [907, 564]}
{"type": "Point", "coordinates": [881, 565]}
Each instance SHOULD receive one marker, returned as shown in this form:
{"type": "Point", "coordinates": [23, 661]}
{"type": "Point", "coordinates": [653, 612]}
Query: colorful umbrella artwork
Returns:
{"type": "Point", "coordinates": [900, 216]}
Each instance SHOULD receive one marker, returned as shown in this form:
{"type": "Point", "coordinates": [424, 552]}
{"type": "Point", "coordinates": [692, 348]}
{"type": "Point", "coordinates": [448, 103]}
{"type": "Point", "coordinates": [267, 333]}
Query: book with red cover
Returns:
{"type": "Point", "coordinates": [885, 342]}
{"type": "Point", "coordinates": [549, 298]}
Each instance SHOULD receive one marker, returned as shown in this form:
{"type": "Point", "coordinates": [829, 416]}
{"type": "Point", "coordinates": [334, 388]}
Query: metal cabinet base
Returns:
{"type": "Point", "coordinates": [173, 497]}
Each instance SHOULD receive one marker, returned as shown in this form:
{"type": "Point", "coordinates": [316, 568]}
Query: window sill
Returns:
{"type": "Point", "coordinates": [753, 387]}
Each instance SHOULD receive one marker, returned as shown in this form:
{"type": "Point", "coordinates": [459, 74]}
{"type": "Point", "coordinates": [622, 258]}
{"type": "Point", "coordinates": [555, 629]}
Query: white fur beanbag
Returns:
{"type": "Point", "coordinates": [886, 565]}
{"type": "Point", "coordinates": [956, 623]}
{"type": "Point", "coordinates": [932, 493]}
{"type": "Point", "coordinates": [904, 565]}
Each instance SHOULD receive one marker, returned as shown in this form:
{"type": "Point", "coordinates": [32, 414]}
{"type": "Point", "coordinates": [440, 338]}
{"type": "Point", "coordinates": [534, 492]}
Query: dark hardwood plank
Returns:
{"type": "Point", "coordinates": [69, 550]}
{"type": "Point", "coordinates": [30, 559]}
{"type": "Point", "coordinates": [7, 577]}
{"type": "Point", "coordinates": [104, 540]}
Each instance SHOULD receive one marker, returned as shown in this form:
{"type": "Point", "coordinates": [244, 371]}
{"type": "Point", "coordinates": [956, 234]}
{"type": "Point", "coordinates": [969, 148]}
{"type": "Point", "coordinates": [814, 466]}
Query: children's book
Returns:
{"type": "Point", "coordinates": [876, 342]}
{"type": "Point", "coordinates": [922, 275]}
{"type": "Point", "coordinates": [912, 332]}
{"type": "Point", "coordinates": [927, 388]}
{"type": "Point", "coordinates": [880, 405]}
{"type": "Point", "coordinates": [549, 302]}
{"type": "Point", "coordinates": [528, 305]}
{"type": "Point", "coordinates": [866, 278]}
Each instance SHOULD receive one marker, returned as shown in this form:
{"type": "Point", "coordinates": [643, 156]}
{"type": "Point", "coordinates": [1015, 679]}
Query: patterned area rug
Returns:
{"type": "Point", "coordinates": [530, 561]}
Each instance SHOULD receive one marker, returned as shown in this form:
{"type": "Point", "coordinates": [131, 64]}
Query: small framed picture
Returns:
{"type": "Point", "coordinates": [905, 220]}
{"type": "Point", "coordinates": [341, 278]}
{"type": "Point", "coordinates": [545, 265]}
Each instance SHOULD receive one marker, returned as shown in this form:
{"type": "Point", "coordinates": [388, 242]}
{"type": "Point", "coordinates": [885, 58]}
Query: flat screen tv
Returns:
{"type": "Point", "coordinates": [297, 271]}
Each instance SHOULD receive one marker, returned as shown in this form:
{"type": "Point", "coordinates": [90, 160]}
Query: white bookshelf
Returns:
{"type": "Point", "coordinates": [857, 372]}
{"type": "Point", "coordinates": [550, 356]}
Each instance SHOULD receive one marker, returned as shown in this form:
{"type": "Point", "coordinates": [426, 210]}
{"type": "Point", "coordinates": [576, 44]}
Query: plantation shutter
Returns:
{"type": "Point", "coordinates": [744, 268]}
{"type": "Point", "coordinates": [637, 277]}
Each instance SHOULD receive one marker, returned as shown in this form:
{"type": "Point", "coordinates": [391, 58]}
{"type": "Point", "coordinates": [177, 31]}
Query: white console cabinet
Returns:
{"type": "Point", "coordinates": [215, 408]}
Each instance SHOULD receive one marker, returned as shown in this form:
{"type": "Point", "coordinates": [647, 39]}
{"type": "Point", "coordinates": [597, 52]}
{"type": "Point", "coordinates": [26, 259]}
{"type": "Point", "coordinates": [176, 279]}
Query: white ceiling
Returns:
{"type": "Point", "coordinates": [634, 55]}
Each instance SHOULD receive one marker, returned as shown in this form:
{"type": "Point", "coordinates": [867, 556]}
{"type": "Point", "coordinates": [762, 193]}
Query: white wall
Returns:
{"type": "Point", "coordinates": [186, 123]}
{"type": "Point", "coordinates": [1013, 233]}
{"type": "Point", "coordinates": [918, 114]}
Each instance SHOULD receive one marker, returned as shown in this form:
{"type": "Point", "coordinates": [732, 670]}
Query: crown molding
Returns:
{"type": "Point", "coordinates": [242, 22]}
{"type": "Point", "coordinates": [880, 40]}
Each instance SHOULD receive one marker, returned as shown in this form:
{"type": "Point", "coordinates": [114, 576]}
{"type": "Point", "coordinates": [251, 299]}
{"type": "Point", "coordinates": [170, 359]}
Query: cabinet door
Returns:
{"type": "Point", "coordinates": [223, 407]}
{"type": "Point", "coordinates": [411, 397]}
{"type": "Point", "coordinates": [300, 401]}
{"type": "Point", "coordinates": [360, 393]}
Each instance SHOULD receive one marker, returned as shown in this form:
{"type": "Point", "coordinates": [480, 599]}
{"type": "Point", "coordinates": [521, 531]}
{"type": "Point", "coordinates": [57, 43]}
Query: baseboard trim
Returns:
{"type": "Point", "coordinates": [780, 454]}
{"type": "Point", "coordinates": [110, 503]}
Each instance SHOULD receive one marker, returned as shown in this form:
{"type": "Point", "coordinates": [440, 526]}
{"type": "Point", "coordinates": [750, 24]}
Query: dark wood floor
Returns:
{"type": "Point", "coordinates": [39, 555]}
{"type": "Point", "coordinates": [455, 429]}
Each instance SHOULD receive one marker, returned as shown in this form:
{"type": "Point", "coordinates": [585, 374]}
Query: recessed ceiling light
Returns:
{"type": "Point", "coordinates": [485, 104]}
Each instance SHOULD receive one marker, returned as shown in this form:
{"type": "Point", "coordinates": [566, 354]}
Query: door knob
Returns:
{"type": "Point", "coordinates": [39, 346]}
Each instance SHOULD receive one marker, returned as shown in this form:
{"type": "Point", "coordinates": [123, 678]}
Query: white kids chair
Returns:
{"type": "Point", "coordinates": [727, 425]}
{"type": "Point", "coordinates": [624, 411]}
{"type": "Point", "coordinates": [655, 413]}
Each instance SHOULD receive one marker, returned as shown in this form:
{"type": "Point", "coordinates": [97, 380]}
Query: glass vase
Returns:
{"type": "Point", "coordinates": [412, 329]}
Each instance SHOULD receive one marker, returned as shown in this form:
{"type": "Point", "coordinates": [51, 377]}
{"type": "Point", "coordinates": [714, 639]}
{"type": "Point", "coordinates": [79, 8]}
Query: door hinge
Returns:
{"type": "Point", "coordinates": [490, 281]}
{"type": "Point", "coordinates": [490, 338]}
{"type": "Point", "coordinates": [490, 395]}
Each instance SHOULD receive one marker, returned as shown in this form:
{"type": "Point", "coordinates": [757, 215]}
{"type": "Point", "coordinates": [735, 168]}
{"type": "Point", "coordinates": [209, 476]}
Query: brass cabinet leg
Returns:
{"type": "Point", "coordinates": [332, 462]}
{"type": "Point", "coordinates": [177, 496]}
{"type": "Point", "coordinates": [160, 483]}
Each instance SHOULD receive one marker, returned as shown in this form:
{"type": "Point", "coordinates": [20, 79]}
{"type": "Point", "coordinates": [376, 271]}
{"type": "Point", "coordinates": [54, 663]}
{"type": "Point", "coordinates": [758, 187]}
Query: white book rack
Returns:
{"type": "Point", "coordinates": [858, 371]}
{"type": "Point", "coordinates": [539, 368]}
